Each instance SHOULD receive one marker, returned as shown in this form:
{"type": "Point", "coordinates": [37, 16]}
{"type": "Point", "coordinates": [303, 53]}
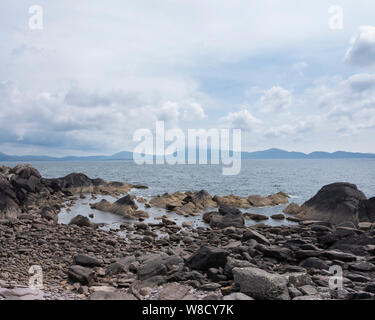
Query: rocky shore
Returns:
{"type": "Point", "coordinates": [145, 261]}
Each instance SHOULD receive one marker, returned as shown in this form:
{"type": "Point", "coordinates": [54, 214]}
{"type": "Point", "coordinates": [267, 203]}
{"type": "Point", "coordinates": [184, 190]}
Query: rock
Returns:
{"type": "Point", "coordinates": [152, 267]}
{"type": "Point", "coordinates": [237, 296]}
{"type": "Point", "coordinates": [259, 201]}
{"type": "Point", "coordinates": [81, 274]}
{"type": "Point", "coordinates": [292, 208]}
{"type": "Point", "coordinates": [315, 297]}
{"type": "Point", "coordinates": [367, 210]}
{"type": "Point", "coordinates": [87, 261]}
{"type": "Point", "coordinates": [338, 255]}
{"type": "Point", "coordinates": [208, 257]}
{"type": "Point", "coordinates": [104, 295]}
{"type": "Point", "coordinates": [252, 234]}
{"type": "Point", "coordinates": [335, 203]}
{"type": "Point", "coordinates": [278, 217]}
{"type": "Point", "coordinates": [125, 207]}
{"type": "Point", "coordinates": [173, 291]}
{"type": "Point", "coordinates": [260, 284]}
{"type": "Point", "coordinates": [308, 290]}
{"type": "Point", "coordinates": [81, 221]}
{"type": "Point", "coordinates": [226, 217]}
{"type": "Point", "coordinates": [315, 263]}
{"type": "Point", "coordinates": [232, 201]}
{"type": "Point", "coordinates": [364, 225]}
{"type": "Point", "coordinates": [235, 263]}
{"type": "Point", "coordinates": [271, 200]}
{"type": "Point", "coordinates": [21, 294]}
{"type": "Point", "coordinates": [49, 214]}
{"type": "Point", "coordinates": [120, 266]}
{"type": "Point", "coordinates": [362, 266]}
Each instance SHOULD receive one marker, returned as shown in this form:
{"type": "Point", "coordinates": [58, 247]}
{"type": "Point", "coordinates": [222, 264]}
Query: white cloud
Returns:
{"type": "Point", "coordinates": [193, 112]}
{"type": "Point", "coordinates": [362, 49]}
{"type": "Point", "coordinates": [276, 99]}
{"type": "Point", "coordinates": [243, 120]}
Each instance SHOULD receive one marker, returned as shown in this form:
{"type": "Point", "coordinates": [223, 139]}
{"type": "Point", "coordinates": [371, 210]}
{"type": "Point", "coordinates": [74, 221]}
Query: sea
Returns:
{"type": "Point", "coordinates": [301, 179]}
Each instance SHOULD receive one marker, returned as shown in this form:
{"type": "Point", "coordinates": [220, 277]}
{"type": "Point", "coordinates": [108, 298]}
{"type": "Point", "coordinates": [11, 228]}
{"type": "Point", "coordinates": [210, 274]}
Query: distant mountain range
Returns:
{"type": "Point", "coordinates": [266, 154]}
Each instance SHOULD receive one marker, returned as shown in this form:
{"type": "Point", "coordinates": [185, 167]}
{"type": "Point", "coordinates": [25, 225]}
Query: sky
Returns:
{"type": "Point", "coordinates": [289, 74]}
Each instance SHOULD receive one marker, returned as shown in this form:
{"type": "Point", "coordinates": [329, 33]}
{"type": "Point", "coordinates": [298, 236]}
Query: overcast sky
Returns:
{"type": "Point", "coordinates": [101, 69]}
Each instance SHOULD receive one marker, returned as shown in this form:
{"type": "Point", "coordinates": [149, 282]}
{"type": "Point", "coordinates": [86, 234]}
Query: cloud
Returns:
{"type": "Point", "coordinates": [362, 49]}
{"type": "Point", "coordinates": [299, 67]}
{"type": "Point", "coordinates": [276, 99]}
{"type": "Point", "coordinates": [193, 112]}
{"type": "Point", "coordinates": [290, 130]}
{"type": "Point", "coordinates": [243, 120]}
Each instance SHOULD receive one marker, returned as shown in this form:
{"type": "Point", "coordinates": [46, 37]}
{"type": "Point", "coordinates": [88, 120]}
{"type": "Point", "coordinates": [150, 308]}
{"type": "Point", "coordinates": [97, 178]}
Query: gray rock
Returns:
{"type": "Point", "coordinates": [87, 261]}
{"type": "Point", "coordinates": [260, 284]}
{"type": "Point", "coordinates": [104, 295]}
{"type": "Point", "coordinates": [237, 296]}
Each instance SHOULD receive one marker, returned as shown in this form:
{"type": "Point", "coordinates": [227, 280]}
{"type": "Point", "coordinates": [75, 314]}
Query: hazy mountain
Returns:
{"type": "Point", "coordinates": [265, 154]}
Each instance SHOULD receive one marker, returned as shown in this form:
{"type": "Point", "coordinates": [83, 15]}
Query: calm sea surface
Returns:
{"type": "Point", "coordinates": [299, 178]}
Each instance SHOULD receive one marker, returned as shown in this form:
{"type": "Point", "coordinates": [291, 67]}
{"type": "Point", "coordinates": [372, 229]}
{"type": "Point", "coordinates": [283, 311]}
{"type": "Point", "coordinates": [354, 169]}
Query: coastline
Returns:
{"type": "Point", "coordinates": [82, 261]}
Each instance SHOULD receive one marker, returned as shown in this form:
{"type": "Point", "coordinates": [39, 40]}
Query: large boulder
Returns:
{"type": "Point", "coordinates": [367, 211]}
{"type": "Point", "coordinates": [335, 203]}
{"type": "Point", "coordinates": [208, 257]}
{"type": "Point", "coordinates": [226, 217]}
{"type": "Point", "coordinates": [260, 284]}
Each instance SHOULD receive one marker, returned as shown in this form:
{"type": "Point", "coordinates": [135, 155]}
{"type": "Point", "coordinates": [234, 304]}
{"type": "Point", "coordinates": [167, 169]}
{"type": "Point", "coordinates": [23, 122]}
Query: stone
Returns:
{"type": "Point", "coordinates": [252, 234]}
{"type": "Point", "coordinates": [308, 290]}
{"type": "Point", "coordinates": [226, 217]}
{"type": "Point", "coordinates": [81, 221]}
{"type": "Point", "coordinates": [237, 296]}
{"type": "Point", "coordinates": [105, 295]}
{"type": "Point", "coordinates": [335, 203]}
{"type": "Point", "coordinates": [260, 284]}
{"type": "Point", "coordinates": [173, 291]}
{"type": "Point", "coordinates": [87, 261]}
{"type": "Point", "coordinates": [278, 216]}
{"type": "Point", "coordinates": [21, 294]}
{"type": "Point", "coordinates": [338, 255]}
{"type": "Point", "coordinates": [315, 263]}
{"type": "Point", "coordinates": [292, 208]}
{"type": "Point", "coordinates": [208, 257]}
{"type": "Point", "coordinates": [81, 274]}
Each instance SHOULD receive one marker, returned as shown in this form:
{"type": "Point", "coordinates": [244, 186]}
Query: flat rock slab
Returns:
{"type": "Point", "coordinates": [22, 294]}
{"type": "Point", "coordinates": [105, 295]}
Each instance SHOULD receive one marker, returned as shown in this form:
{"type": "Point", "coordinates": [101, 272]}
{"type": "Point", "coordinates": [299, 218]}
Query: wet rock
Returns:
{"type": "Point", "coordinates": [232, 201]}
{"type": "Point", "coordinates": [260, 284]}
{"type": "Point", "coordinates": [124, 207]}
{"type": "Point", "coordinates": [81, 221]}
{"type": "Point", "coordinates": [278, 217]}
{"type": "Point", "coordinates": [292, 208]}
{"type": "Point", "coordinates": [257, 217]}
{"type": "Point", "coordinates": [208, 257]}
{"type": "Point", "coordinates": [226, 217]}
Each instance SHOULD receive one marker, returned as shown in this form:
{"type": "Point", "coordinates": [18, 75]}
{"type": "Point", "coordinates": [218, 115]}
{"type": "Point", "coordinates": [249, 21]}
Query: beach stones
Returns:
{"type": "Point", "coordinates": [208, 257]}
{"type": "Point", "coordinates": [225, 217]}
{"type": "Point", "coordinates": [260, 284]}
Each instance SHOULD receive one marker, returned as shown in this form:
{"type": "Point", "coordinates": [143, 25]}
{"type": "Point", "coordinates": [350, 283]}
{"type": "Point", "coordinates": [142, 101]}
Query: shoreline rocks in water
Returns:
{"type": "Point", "coordinates": [166, 261]}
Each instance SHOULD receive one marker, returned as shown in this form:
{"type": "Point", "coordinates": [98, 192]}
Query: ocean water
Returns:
{"type": "Point", "coordinates": [299, 178]}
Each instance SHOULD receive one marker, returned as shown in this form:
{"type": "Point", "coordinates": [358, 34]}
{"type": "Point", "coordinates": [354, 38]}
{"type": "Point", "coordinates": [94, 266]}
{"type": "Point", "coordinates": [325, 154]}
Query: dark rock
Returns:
{"type": "Point", "coordinates": [315, 263]}
{"type": "Point", "coordinates": [81, 274]}
{"type": "Point", "coordinates": [252, 234]}
{"type": "Point", "coordinates": [87, 261]}
{"type": "Point", "coordinates": [226, 217]}
{"type": "Point", "coordinates": [81, 221]}
{"type": "Point", "coordinates": [367, 211]}
{"type": "Point", "coordinates": [208, 257]}
{"type": "Point", "coordinates": [335, 203]}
